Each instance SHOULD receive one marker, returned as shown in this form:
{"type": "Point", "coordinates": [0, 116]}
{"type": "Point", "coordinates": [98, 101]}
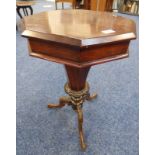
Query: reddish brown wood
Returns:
{"type": "Point", "coordinates": [109, 4]}
{"type": "Point", "coordinates": [101, 52]}
{"type": "Point", "coordinates": [77, 39]}
{"type": "Point", "coordinates": [79, 27]}
{"type": "Point", "coordinates": [76, 56]}
{"type": "Point", "coordinates": [55, 50]}
{"type": "Point", "coordinates": [87, 4]}
{"type": "Point", "coordinates": [98, 5]}
{"type": "Point", "coordinates": [77, 77]}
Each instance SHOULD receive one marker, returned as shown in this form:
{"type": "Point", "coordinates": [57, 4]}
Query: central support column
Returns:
{"type": "Point", "coordinates": [77, 77]}
{"type": "Point", "coordinates": [77, 82]}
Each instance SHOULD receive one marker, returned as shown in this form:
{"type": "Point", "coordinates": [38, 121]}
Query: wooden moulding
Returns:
{"type": "Point", "coordinates": [77, 56]}
{"type": "Point", "coordinates": [78, 38]}
{"type": "Point", "coordinates": [78, 42]}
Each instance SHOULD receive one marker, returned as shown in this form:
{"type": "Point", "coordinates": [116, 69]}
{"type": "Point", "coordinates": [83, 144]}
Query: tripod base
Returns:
{"type": "Point", "coordinates": [76, 100]}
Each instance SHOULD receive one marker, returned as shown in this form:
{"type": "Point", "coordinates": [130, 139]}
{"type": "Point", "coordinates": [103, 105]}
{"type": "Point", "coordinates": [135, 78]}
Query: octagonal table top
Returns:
{"type": "Point", "coordinates": [79, 27]}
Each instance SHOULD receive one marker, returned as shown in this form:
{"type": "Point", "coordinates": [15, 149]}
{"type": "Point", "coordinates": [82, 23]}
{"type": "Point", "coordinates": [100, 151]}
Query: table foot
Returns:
{"type": "Point", "coordinates": [91, 97]}
{"type": "Point", "coordinates": [80, 125]}
{"type": "Point", "coordinates": [62, 102]}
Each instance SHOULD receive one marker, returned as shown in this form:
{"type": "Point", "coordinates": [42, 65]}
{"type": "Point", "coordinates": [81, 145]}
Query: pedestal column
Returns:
{"type": "Point", "coordinates": [77, 77]}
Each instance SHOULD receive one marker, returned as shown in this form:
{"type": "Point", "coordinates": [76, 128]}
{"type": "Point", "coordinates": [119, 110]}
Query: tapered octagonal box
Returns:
{"type": "Point", "coordinates": [78, 38]}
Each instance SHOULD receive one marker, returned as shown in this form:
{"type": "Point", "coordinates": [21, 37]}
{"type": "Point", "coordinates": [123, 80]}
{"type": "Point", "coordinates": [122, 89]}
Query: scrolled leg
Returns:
{"type": "Point", "coordinates": [62, 102]}
{"type": "Point", "coordinates": [80, 123]}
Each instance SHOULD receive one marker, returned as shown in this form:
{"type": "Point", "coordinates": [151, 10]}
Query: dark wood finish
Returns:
{"type": "Point", "coordinates": [78, 39]}
{"type": "Point", "coordinates": [53, 36]}
{"type": "Point", "coordinates": [57, 39]}
{"type": "Point", "coordinates": [87, 4]}
{"type": "Point", "coordinates": [77, 77]}
{"type": "Point", "coordinates": [78, 27]}
{"type": "Point", "coordinates": [98, 5]}
{"type": "Point", "coordinates": [75, 56]}
{"type": "Point", "coordinates": [108, 6]}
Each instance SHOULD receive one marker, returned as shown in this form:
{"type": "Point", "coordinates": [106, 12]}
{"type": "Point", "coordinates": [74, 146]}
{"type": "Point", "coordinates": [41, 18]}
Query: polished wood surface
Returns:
{"type": "Point", "coordinates": [109, 5]}
{"type": "Point", "coordinates": [79, 27]}
{"type": "Point", "coordinates": [78, 39]}
{"type": "Point", "coordinates": [75, 56]}
{"type": "Point", "coordinates": [73, 75]}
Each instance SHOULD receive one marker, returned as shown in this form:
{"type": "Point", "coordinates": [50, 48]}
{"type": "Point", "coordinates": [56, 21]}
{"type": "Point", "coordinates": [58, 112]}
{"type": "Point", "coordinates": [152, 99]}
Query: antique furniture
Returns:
{"type": "Point", "coordinates": [78, 39]}
{"type": "Point", "coordinates": [62, 1]}
{"type": "Point", "coordinates": [109, 5]}
{"type": "Point", "coordinates": [25, 6]}
{"type": "Point", "coordinates": [98, 5]}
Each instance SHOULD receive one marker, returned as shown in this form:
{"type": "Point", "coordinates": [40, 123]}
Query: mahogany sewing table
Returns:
{"type": "Point", "coordinates": [78, 39]}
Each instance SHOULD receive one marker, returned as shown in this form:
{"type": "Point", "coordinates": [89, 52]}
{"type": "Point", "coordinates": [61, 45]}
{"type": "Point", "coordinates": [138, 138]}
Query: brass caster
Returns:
{"type": "Point", "coordinates": [83, 147]}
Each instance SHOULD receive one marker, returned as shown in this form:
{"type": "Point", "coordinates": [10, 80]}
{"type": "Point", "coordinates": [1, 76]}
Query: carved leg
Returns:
{"type": "Point", "coordinates": [62, 102]}
{"type": "Point", "coordinates": [91, 97]}
{"type": "Point", "coordinates": [80, 122]}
